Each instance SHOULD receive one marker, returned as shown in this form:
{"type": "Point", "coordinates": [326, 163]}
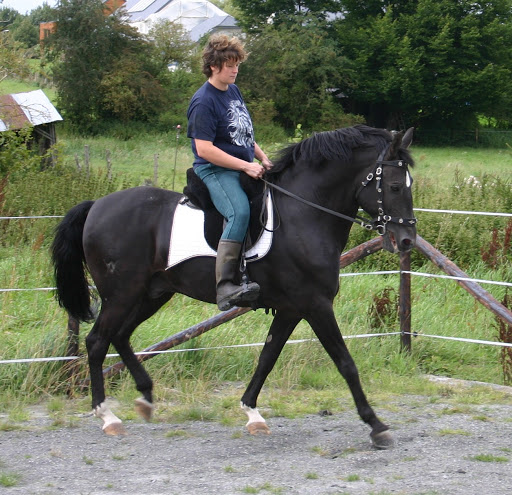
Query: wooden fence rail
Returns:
{"type": "Point", "coordinates": [346, 259]}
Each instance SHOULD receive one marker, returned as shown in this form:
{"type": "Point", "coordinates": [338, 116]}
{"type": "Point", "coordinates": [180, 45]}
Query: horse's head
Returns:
{"type": "Point", "coordinates": [386, 195]}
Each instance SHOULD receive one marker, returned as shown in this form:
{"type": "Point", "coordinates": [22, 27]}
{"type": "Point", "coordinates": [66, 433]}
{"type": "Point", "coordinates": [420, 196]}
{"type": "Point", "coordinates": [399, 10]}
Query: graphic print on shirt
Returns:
{"type": "Point", "coordinates": [240, 124]}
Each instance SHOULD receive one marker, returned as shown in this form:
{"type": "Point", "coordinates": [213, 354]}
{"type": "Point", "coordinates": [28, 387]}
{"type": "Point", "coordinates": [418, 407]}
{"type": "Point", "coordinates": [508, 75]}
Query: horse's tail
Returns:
{"type": "Point", "coordinates": [69, 264]}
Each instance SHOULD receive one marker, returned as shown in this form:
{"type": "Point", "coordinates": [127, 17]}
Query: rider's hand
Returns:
{"type": "Point", "coordinates": [254, 170]}
{"type": "Point", "coordinates": [266, 163]}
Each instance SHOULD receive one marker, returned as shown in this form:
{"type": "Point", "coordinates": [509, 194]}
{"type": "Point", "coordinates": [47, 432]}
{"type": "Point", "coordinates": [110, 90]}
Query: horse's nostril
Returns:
{"type": "Point", "coordinates": [407, 244]}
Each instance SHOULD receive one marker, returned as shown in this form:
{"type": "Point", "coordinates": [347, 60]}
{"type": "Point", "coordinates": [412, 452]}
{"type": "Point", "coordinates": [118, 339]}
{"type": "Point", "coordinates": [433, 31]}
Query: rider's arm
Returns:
{"type": "Point", "coordinates": [211, 153]}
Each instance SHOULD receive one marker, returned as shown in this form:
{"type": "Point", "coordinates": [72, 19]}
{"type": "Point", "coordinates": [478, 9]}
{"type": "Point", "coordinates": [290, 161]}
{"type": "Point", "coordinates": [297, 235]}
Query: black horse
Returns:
{"type": "Point", "coordinates": [123, 241]}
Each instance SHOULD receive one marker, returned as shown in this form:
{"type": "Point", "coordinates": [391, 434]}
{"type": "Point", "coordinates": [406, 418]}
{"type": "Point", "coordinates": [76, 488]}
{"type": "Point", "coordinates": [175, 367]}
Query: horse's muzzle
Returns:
{"type": "Point", "coordinates": [398, 242]}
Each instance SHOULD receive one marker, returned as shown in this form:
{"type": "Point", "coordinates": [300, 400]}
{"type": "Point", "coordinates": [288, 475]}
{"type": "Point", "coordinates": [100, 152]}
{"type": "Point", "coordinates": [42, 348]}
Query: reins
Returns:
{"type": "Point", "coordinates": [359, 220]}
{"type": "Point", "coordinates": [379, 223]}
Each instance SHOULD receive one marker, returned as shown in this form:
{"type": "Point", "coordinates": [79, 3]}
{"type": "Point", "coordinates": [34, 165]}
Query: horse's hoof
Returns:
{"type": "Point", "coordinates": [144, 408]}
{"type": "Point", "coordinates": [258, 428]}
{"type": "Point", "coordinates": [114, 429]}
{"type": "Point", "coordinates": [382, 440]}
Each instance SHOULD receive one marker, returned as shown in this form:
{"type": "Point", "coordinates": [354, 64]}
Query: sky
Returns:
{"type": "Point", "coordinates": [26, 6]}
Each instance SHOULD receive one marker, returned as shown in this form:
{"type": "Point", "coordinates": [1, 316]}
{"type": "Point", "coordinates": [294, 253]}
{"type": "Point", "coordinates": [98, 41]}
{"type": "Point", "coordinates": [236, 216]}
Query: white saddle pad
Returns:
{"type": "Point", "coordinates": [187, 236]}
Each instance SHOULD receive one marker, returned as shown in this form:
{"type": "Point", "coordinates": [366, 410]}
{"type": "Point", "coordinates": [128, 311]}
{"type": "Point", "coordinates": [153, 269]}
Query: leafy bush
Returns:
{"type": "Point", "coordinates": [52, 191]}
{"type": "Point", "coordinates": [16, 155]}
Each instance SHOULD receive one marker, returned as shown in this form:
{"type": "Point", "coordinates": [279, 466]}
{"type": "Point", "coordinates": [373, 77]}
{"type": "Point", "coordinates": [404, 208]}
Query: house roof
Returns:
{"type": "Point", "coordinates": [196, 16]}
{"type": "Point", "coordinates": [212, 24]}
{"type": "Point", "coordinates": [20, 109]}
{"type": "Point", "coordinates": [139, 10]}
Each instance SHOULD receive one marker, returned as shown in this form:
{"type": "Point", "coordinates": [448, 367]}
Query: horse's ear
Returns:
{"type": "Point", "coordinates": [395, 145]}
{"type": "Point", "coordinates": [407, 139]}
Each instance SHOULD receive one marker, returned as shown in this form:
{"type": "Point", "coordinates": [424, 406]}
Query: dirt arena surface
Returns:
{"type": "Point", "coordinates": [439, 450]}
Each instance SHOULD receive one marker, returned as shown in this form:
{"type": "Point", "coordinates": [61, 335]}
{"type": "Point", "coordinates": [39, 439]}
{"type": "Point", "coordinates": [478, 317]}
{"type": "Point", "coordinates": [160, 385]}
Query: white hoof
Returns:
{"type": "Point", "coordinates": [258, 428]}
{"type": "Point", "coordinates": [112, 425]}
{"type": "Point", "coordinates": [256, 424]}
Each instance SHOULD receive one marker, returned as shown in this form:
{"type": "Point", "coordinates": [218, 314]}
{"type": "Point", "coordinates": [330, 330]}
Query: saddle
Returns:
{"type": "Point", "coordinates": [197, 196]}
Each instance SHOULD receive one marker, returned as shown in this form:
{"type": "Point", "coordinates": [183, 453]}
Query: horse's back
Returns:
{"type": "Point", "coordinates": [130, 227]}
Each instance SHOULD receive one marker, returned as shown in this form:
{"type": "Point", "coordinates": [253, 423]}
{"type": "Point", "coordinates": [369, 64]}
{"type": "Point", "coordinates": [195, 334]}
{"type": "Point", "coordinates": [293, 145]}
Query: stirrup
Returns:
{"type": "Point", "coordinates": [248, 292]}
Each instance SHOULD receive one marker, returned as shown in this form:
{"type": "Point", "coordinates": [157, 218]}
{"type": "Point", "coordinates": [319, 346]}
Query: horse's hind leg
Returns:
{"type": "Point", "coordinates": [97, 346]}
{"type": "Point", "coordinates": [325, 327]}
{"type": "Point", "coordinates": [280, 330]}
{"type": "Point", "coordinates": [121, 342]}
{"type": "Point", "coordinates": [115, 325]}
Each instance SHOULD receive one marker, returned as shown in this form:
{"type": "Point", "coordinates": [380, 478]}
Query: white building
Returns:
{"type": "Point", "coordinates": [197, 17]}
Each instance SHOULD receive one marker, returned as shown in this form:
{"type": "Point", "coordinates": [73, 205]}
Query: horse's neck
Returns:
{"type": "Point", "coordinates": [332, 191]}
{"type": "Point", "coordinates": [330, 185]}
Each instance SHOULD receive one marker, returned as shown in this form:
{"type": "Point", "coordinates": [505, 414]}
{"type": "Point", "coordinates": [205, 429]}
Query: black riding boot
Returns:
{"type": "Point", "coordinates": [229, 293]}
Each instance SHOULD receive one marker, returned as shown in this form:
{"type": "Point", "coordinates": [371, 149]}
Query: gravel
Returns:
{"type": "Point", "coordinates": [467, 451]}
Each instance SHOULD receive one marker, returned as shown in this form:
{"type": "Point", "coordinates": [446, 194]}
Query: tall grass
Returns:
{"type": "Point", "coordinates": [31, 324]}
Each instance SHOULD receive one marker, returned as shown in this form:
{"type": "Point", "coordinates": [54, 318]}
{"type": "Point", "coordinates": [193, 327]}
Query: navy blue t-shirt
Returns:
{"type": "Point", "coordinates": [222, 118]}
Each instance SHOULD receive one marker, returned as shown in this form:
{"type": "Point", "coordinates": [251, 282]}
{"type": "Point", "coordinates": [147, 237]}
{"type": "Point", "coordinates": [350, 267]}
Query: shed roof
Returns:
{"type": "Point", "coordinates": [32, 108]}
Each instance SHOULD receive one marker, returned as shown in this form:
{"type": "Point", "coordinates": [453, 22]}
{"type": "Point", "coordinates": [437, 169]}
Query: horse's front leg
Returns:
{"type": "Point", "coordinates": [280, 330]}
{"type": "Point", "coordinates": [324, 325]}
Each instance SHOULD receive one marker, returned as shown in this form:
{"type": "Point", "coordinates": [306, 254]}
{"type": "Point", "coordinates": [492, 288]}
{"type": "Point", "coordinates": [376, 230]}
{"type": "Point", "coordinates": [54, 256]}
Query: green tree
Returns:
{"type": "Point", "coordinates": [255, 14]}
{"type": "Point", "coordinates": [89, 49]}
{"type": "Point", "coordinates": [25, 28]}
{"type": "Point", "coordinates": [172, 44]}
{"type": "Point", "coordinates": [43, 13]}
{"type": "Point", "coordinates": [129, 92]}
{"type": "Point", "coordinates": [25, 32]}
{"type": "Point", "coordinates": [13, 60]}
{"type": "Point", "coordinates": [7, 17]}
{"type": "Point", "coordinates": [299, 69]}
{"type": "Point", "coordinates": [434, 62]}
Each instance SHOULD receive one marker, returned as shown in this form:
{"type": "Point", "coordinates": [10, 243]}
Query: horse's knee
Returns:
{"type": "Point", "coordinates": [96, 348]}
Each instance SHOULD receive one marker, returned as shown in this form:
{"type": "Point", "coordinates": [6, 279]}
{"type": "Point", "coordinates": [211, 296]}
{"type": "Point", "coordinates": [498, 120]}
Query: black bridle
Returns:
{"type": "Point", "coordinates": [378, 223]}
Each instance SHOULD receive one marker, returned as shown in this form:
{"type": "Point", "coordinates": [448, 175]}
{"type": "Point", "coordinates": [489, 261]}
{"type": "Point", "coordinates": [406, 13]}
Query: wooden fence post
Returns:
{"type": "Point", "coordinates": [109, 165]}
{"type": "Point", "coordinates": [72, 367]}
{"type": "Point", "coordinates": [87, 161]}
{"type": "Point", "coordinates": [405, 301]}
{"type": "Point", "coordinates": [155, 169]}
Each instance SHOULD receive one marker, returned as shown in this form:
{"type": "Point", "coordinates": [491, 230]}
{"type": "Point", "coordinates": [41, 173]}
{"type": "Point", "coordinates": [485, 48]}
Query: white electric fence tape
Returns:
{"type": "Point", "coordinates": [387, 272]}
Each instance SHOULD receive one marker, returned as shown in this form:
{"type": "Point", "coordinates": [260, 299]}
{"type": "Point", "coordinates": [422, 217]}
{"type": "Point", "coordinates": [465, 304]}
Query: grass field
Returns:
{"type": "Point", "coordinates": [10, 86]}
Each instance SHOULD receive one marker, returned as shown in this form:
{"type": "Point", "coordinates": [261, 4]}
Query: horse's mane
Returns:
{"type": "Point", "coordinates": [337, 144]}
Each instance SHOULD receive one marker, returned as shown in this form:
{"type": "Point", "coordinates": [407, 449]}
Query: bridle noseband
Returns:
{"type": "Point", "coordinates": [379, 224]}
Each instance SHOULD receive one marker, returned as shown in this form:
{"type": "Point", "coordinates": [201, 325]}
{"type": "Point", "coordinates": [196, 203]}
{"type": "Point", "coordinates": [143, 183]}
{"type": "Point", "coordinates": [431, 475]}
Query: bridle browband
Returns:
{"type": "Point", "coordinates": [380, 222]}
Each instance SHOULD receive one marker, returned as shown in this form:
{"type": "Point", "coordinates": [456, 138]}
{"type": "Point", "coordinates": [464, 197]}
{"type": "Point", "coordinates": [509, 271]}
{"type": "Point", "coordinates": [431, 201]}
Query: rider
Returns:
{"type": "Point", "coordinates": [222, 139]}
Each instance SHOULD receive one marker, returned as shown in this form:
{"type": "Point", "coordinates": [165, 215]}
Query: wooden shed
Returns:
{"type": "Point", "coordinates": [32, 109]}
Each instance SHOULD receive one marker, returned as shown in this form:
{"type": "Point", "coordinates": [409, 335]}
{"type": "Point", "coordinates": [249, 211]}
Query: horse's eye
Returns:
{"type": "Point", "coordinates": [396, 187]}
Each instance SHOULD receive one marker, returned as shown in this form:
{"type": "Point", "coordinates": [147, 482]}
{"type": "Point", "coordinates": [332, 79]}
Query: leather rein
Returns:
{"type": "Point", "coordinates": [378, 223]}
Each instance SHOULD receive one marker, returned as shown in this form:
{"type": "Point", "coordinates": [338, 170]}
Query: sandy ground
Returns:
{"type": "Point", "coordinates": [466, 452]}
